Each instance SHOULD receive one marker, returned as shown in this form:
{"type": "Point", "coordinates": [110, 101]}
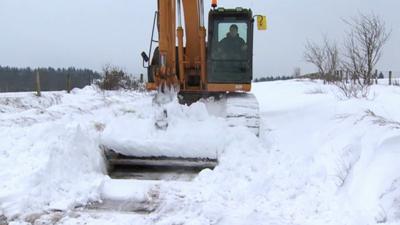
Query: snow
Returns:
{"type": "Point", "coordinates": [125, 190]}
{"type": "Point", "coordinates": [137, 136]}
{"type": "Point", "coordinates": [320, 158]}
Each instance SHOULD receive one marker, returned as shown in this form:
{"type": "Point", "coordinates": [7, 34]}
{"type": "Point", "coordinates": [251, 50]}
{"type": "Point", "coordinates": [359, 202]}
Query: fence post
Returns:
{"type": "Point", "coordinates": [68, 83]}
{"type": "Point", "coordinates": [38, 92]}
{"type": "Point", "coordinates": [390, 77]}
{"type": "Point", "coordinates": [141, 78]}
{"type": "Point", "coordinates": [376, 76]}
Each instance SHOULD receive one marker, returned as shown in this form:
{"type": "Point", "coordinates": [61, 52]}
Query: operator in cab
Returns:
{"type": "Point", "coordinates": [233, 46]}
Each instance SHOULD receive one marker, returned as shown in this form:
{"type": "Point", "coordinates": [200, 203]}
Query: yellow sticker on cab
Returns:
{"type": "Point", "coordinates": [262, 22]}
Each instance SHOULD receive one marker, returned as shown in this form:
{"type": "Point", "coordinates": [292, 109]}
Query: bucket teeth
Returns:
{"type": "Point", "coordinates": [165, 94]}
{"type": "Point", "coordinates": [162, 120]}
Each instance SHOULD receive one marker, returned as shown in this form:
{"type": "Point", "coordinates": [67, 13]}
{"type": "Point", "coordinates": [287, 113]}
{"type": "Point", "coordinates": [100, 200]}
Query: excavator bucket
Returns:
{"type": "Point", "coordinates": [155, 168]}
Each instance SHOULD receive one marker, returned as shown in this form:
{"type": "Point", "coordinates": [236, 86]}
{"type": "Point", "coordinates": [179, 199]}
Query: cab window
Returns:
{"type": "Point", "coordinates": [230, 43]}
{"type": "Point", "coordinates": [223, 30]}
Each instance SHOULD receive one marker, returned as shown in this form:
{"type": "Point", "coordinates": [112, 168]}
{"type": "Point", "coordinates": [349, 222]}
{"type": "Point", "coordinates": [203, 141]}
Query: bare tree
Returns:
{"type": "Point", "coordinates": [332, 60]}
{"type": "Point", "coordinates": [325, 57]}
{"type": "Point", "coordinates": [362, 50]}
{"type": "Point", "coordinates": [114, 78]}
{"type": "Point", "coordinates": [315, 55]}
{"type": "Point", "coordinates": [363, 47]}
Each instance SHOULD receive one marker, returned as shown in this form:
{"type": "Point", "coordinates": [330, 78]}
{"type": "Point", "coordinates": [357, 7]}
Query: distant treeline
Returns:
{"type": "Point", "coordinates": [263, 79]}
{"type": "Point", "coordinates": [23, 79]}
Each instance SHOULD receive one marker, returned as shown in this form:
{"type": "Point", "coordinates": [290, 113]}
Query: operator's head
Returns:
{"type": "Point", "coordinates": [233, 30]}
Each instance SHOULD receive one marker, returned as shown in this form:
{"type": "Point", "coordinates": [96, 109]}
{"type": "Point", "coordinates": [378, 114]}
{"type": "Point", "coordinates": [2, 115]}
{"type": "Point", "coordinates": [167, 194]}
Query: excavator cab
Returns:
{"type": "Point", "coordinates": [230, 46]}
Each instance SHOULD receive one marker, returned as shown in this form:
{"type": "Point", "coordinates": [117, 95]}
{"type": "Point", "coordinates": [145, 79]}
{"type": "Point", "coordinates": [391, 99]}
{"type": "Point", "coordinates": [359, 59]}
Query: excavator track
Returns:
{"type": "Point", "coordinates": [242, 109]}
{"type": "Point", "coordinates": [238, 109]}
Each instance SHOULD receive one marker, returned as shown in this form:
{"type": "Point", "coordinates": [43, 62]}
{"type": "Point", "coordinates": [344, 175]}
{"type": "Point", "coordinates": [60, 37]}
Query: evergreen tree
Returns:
{"type": "Point", "coordinates": [23, 79]}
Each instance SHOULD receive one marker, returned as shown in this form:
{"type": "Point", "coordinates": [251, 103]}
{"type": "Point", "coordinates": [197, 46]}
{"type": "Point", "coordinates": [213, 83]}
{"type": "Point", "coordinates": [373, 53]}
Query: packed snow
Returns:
{"type": "Point", "coordinates": [320, 158]}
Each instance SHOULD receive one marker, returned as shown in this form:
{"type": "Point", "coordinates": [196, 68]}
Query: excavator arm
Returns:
{"type": "Point", "coordinates": [191, 58]}
{"type": "Point", "coordinates": [166, 73]}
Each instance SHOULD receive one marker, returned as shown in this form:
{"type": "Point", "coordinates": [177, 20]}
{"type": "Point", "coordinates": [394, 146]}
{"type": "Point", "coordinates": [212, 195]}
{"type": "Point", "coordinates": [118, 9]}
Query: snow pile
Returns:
{"type": "Point", "coordinates": [17, 102]}
{"type": "Point", "coordinates": [26, 109]}
{"type": "Point", "coordinates": [49, 153]}
{"type": "Point", "coordinates": [231, 194]}
{"type": "Point", "coordinates": [49, 170]}
{"type": "Point", "coordinates": [52, 164]}
{"type": "Point", "coordinates": [191, 132]}
{"type": "Point", "coordinates": [346, 152]}
{"type": "Point", "coordinates": [362, 158]}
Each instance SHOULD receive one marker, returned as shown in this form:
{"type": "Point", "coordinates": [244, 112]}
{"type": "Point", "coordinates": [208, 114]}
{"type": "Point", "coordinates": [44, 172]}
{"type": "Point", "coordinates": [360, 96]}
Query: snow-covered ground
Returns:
{"type": "Point", "coordinates": [320, 159]}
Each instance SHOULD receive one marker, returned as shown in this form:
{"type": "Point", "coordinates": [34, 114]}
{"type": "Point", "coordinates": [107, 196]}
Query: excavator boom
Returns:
{"type": "Point", "coordinates": [174, 64]}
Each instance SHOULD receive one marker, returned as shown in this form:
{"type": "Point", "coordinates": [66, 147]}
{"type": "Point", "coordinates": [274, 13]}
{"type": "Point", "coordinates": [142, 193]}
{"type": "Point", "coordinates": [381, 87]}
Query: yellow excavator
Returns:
{"type": "Point", "coordinates": [194, 62]}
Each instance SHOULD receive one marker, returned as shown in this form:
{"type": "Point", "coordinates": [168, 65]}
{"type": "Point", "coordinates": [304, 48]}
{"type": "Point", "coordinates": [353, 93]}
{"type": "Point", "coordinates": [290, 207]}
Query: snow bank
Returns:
{"type": "Point", "coordinates": [348, 149]}
{"type": "Point", "coordinates": [52, 163]}
{"type": "Point", "coordinates": [17, 102]}
{"type": "Point", "coordinates": [60, 171]}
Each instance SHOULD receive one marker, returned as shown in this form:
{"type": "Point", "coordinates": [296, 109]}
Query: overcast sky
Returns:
{"type": "Point", "coordinates": [92, 33]}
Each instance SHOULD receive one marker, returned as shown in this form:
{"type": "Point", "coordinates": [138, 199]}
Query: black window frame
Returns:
{"type": "Point", "coordinates": [214, 76]}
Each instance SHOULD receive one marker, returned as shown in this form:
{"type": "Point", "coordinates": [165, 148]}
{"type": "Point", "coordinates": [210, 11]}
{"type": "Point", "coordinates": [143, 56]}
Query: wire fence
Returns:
{"type": "Point", "coordinates": [389, 77]}
{"type": "Point", "coordinates": [385, 73]}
